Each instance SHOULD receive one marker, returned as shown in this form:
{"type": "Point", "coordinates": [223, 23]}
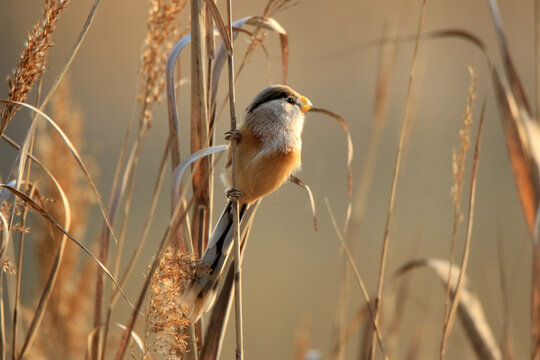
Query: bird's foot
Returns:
{"type": "Point", "coordinates": [233, 135]}
{"type": "Point", "coordinates": [234, 193]}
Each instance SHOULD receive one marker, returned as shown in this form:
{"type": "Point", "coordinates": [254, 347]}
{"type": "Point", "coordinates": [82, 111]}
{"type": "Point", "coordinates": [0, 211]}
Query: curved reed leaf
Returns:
{"type": "Point", "coordinates": [303, 185]}
{"type": "Point", "coordinates": [350, 152]}
{"type": "Point", "coordinates": [76, 155]}
{"type": "Point", "coordinates": [267, 23]}
{"type": "Point", "coordinates": [181, 168]}
{"type": "Point", "coordinates": [49, 218]}
{"type": "Point", "coordinates": [470, 310]}
{"type": "Point", "coordinates": [509, 68]}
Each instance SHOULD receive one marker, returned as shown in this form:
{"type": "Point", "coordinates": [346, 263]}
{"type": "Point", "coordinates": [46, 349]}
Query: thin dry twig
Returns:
{"type": "Point", "coordinates": [397, 167]}
{"type": "Point", "coordinates": [358, 279]}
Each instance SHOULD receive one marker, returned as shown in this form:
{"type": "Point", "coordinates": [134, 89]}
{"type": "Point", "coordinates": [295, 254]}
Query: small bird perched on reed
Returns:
{"type": "Point", "coordinates": [268, 152]}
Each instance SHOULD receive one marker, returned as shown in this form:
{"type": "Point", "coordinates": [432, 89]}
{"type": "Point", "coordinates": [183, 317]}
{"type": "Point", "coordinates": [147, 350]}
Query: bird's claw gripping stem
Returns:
{"type": "Point", "coordinates": [234, 193]}
{"type": "Point", "coordinates": [233, 135]}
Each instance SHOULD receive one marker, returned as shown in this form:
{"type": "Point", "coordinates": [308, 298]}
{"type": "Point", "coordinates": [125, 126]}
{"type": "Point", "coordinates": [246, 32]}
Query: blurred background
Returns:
{"type": "Point", "coordinates": [291, 272]}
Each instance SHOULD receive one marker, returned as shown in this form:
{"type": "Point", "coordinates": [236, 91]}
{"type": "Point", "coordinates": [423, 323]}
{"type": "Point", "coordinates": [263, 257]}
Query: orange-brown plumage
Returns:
{"type": "Point", "coordinates": [258, 176]}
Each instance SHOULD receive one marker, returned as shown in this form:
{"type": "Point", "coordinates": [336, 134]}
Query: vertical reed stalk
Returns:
{"type": "Point", "coordinates": [236, 218]}
{"type": "Point", "coordinates": [199, 127]}
{"type": "Point", "coordinates": [397, 167]}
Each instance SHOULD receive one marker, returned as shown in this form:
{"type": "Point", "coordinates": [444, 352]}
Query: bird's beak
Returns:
{"type": "Point", "coordinates": [305, 104]}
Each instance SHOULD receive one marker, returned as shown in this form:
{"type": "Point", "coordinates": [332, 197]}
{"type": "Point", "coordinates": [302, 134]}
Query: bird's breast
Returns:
{"type": "Point", "coordinates": [262, 167]}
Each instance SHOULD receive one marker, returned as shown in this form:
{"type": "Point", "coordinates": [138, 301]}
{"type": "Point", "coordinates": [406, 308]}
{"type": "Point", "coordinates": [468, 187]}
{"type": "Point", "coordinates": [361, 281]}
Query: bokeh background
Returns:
{"type": "Point", "coordinates": [291, 272]}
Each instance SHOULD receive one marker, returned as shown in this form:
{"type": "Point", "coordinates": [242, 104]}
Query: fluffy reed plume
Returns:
{"type": "Point", "coordinates": [67, 320]}
{"type": "Point", "coordinates": [161, 33]}
{"type": "Point", "coordinates": [168, 321]}
{"type": "Point", "coordinates": [33, 60]}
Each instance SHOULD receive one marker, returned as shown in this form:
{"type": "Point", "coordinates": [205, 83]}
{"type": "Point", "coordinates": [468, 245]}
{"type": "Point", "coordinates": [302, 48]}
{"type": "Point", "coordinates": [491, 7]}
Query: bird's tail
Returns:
{"type": "Point", "coordinates": [200, 293]}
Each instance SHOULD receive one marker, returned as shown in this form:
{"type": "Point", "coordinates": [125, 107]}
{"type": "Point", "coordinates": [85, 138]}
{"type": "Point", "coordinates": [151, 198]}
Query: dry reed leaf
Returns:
{"type": "Point", "coordinates": [36, 207]}
{"type": "Point", "coordinates": [470, 310]}
{"type": "Point", "coordinates": [171, 98]}
{"type": "Point", "coordinates": [517, 142]}
{"type": "Point", "coordinates": [76, 155]}
{"type": "Point", "coordinates": [196, 156]}
{"type": "Point", "coordinates": [350, 150]}
{"type": "Point", "coordinates": [522, 136]}
{"type": "Point", "coordinates": [515, 83]}
{"type": "Point", "coordinates": [303, 185]}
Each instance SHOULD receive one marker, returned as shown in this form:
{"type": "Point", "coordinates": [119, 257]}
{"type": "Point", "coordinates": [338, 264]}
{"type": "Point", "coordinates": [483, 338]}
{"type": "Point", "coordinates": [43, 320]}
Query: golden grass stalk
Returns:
{"type": "Point", "coordinates": [361, 284]}
{"type": "Point", "coordinates": [236, 217]}
{"type": "Point", "coordinates": [199, 129]}
{"type": "Point", "coordinates": [33, 60]}
{"type": "Point", "coordinates": [397, 167]}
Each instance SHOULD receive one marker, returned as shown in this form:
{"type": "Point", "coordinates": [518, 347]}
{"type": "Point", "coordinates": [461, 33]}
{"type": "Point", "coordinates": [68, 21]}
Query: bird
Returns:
{"type": "Point", "coordinates": [269, 144]}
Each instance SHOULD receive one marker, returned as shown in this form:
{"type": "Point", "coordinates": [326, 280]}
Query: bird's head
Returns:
{"type": "Point", "coordinates": [278, 104]}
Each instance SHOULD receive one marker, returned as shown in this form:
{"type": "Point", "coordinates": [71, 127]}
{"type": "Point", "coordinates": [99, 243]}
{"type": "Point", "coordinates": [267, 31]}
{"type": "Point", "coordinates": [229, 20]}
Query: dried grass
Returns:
{"type": "Point", "coordinates": [33, 61]}
{"type": "Point", "coordinates": [168, 328]}
{"type": "Point", "coordinates": [168, 334]}
{"type": "Point", "coordinates": [162, 32]}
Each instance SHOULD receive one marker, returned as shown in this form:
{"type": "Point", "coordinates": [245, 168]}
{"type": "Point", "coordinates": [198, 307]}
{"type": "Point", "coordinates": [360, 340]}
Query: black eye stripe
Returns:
{"type": "Point", "coordinates": [269, 97]}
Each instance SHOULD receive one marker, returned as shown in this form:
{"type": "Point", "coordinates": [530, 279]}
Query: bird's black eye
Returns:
{"type": "Point", "coordinates": [290, 100]}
